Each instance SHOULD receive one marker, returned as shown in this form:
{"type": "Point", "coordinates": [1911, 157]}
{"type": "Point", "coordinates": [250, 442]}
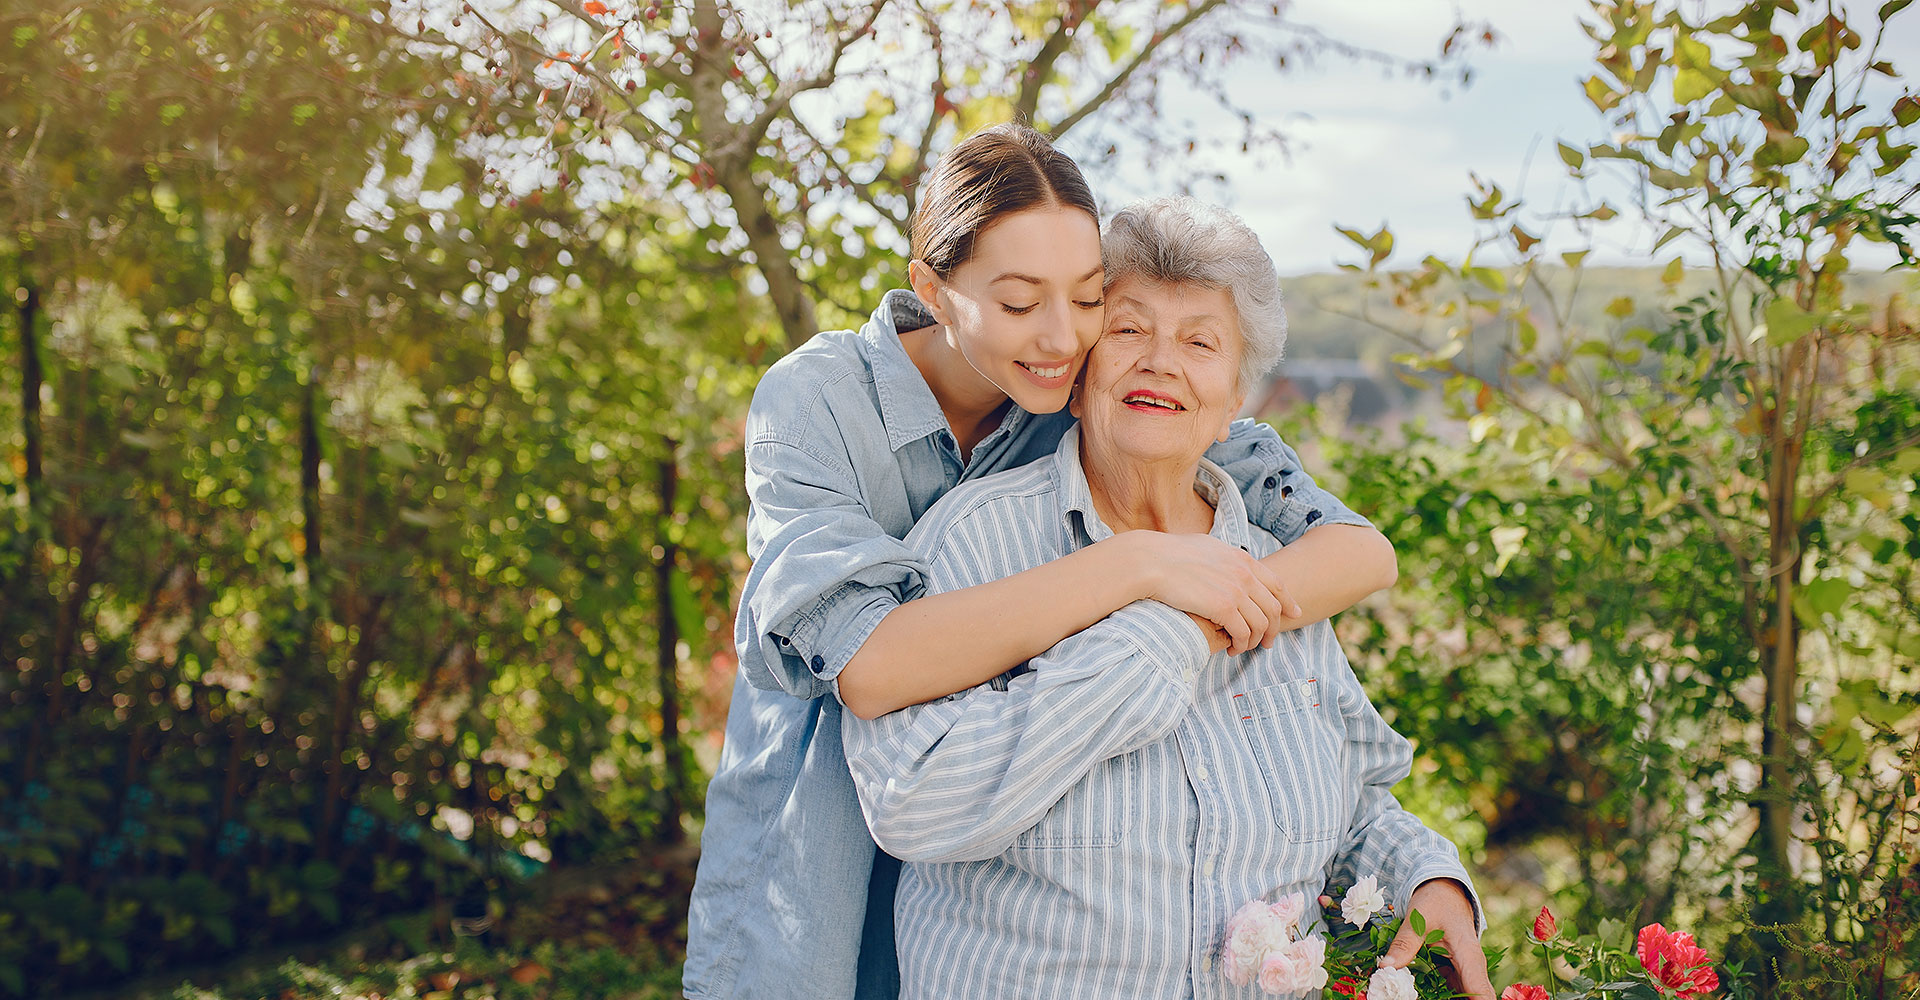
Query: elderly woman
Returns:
{"type": "Point", "coordinates": [1087, 824]}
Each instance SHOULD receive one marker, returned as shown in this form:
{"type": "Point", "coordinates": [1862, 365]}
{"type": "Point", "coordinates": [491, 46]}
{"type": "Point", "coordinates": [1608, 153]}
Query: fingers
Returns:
{"type": "Point", "coordinates": [1470, 962]}
{"type": "Point", "coordinates": [1401, 951]}
{"type": "Point", "coordinates": [1277, 588]}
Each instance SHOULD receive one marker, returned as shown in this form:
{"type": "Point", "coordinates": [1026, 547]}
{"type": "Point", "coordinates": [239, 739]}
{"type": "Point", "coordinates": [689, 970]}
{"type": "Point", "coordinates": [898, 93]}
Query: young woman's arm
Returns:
{"type": "Point", "coordinates": [1331, 558]}
{"type": "Point", "coordinates": [834, 600]}
{"type": "Point", "coordinates": [943, 643]}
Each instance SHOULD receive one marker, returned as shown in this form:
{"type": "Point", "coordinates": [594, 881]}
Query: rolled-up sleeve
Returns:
{"type": "Point", "coordinates": [1280, 496]}
{"type": "Point", "coordinates": [824, 572]}
{"type": "Point", "coordinates": [1385, 840]}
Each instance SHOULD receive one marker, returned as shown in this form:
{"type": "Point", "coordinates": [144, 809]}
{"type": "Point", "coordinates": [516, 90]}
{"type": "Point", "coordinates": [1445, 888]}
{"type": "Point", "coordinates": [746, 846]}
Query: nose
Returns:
{"type": "Point", "coordinates": [1057, 336]}
{"type": "Point", "coordinates": [1161, 354]}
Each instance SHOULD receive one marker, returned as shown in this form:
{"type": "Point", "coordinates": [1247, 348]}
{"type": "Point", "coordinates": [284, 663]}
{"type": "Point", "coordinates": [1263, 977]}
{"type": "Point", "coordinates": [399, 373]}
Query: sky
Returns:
{"type": "Point", "coordinates": [1369, 148]}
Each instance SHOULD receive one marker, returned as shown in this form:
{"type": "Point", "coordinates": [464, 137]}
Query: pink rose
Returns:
{"type": "Point", "coordinates": [1252, 933]}
{"type": "Point", "coordinates": [1525, 991]}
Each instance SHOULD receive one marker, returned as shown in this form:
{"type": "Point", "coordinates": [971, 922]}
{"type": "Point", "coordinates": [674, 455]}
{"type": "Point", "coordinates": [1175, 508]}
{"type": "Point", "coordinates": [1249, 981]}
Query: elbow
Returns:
{"type": "Point", "coordinates": [861, 696]}
{"type": "Point", "coordinates": [1389, 565]}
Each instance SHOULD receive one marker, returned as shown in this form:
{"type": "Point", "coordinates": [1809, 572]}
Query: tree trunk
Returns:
{"type": "Point", "coordinates": [668, 659]}
{"type": "Point", "coordinates": [310, 478]}
{"type": "Point", "coordinates": [1779, 897]}
{"type": "Point", "coordinates": [31, 378]}
{"type": "Point", "coordinates": [730, 168]}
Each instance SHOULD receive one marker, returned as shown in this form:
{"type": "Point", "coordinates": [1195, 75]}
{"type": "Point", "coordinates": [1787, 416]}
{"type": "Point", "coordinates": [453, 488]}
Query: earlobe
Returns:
{"type": "Point", "coordinates": [1226, 426]}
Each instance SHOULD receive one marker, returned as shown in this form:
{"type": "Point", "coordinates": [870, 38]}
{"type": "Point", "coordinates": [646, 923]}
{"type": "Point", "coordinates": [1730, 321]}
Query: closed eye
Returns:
{"type": "Point", "coordinates": [1019, 310]}
{"type": "Point", "coordinates": [1095, 304]}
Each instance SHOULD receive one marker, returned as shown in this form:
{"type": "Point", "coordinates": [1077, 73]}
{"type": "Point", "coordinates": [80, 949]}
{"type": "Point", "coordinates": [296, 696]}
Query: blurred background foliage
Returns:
{"type": "Point", "coordinates": [370, 507]}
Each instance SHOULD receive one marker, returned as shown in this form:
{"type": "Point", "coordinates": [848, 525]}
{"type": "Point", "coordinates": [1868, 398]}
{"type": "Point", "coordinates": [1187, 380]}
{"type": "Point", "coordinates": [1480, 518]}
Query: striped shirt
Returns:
{"type": "Point", "coordinates": [1084, 825]}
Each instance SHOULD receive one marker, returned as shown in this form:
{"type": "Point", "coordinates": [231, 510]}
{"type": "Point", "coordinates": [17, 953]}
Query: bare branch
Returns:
{"type": "Point", "coordinates": [1040, 68]}
{"type": "Point", "coordinates": [1140, 58]}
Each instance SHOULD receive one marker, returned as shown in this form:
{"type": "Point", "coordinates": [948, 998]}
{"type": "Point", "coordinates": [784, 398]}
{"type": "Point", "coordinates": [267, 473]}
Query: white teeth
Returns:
{"type": "Point", "coordinates": [1151, 401]}
{"type": "Point", "coordinates": [1055, 372]}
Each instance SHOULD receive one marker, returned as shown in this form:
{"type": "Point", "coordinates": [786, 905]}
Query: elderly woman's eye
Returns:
{"type": "Point", "coordinates": [1019, 310]}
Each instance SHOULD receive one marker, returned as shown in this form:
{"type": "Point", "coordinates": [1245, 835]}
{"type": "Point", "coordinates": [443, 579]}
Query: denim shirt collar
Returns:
{"type": "Point", "coordinates": [1083, 521]}
{"type": "Point", "coordinates": [907, 404]}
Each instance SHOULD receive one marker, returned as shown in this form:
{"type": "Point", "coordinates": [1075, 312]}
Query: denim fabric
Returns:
{"type": "Point", "coordinates": [846, 449]}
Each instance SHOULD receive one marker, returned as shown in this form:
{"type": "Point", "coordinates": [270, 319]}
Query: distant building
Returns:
{"type": "Point", "coordinates": [1371, 401]}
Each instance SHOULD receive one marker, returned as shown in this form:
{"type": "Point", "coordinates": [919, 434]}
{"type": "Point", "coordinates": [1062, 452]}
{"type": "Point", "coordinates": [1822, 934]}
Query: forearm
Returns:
{"type": "Point", "coordinates": [944, 643]}
{"type": "Point", "coordinates": [1332, 568]}
{"type": "Point", "coordinates": [961, 779]}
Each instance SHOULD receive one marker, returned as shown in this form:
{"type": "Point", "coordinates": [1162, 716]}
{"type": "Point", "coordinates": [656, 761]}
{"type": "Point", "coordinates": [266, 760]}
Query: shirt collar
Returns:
{"type": "Point", "coordinates": [908, 408]}
{"type": "Point", "coordinates": [1076, 497]}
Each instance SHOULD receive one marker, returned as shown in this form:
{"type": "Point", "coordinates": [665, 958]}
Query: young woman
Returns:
{"type": "Point", "coordinates": [849, 440]}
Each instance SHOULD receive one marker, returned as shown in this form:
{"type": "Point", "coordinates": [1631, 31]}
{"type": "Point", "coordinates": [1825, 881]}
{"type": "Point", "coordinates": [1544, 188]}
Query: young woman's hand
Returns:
{"type": "Point", "coordinates": [1210, 579]}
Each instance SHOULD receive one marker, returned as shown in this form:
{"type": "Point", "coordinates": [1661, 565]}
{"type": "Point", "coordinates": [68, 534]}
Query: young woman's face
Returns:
{"type": "Point", "coordinates": [1026, 307]}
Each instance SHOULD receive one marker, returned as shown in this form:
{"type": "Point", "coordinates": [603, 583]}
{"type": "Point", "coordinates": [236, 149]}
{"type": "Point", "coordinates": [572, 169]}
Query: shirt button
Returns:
{"type": "Point", "coordinates": [1206, 870]}
{"type": "Point", "coordinates": [1273, 481]}
{"type": "Point", "coordinates": [1203, 774]}
{"type": "Point", "coordinates": [819, 662]}
{"type": "Point", "coordinates": [1206, 963]}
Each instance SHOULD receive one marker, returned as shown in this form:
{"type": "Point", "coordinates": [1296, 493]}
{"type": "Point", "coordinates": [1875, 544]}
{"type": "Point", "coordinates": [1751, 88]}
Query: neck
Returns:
{"type": "Point", "coordinates": [972, 405]}
{"type": "Point", "coordinates": [1131, 496]}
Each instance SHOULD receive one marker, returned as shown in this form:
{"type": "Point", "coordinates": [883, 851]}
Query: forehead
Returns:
{"type": "Point", "coordinates": [1054, 243]}
{"type": "Point", "coordinates": [1179, 305]}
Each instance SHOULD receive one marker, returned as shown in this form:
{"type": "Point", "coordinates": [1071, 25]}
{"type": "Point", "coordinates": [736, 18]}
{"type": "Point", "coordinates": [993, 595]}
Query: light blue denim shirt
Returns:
{"type": "Point", "coordinates": [846, 448]}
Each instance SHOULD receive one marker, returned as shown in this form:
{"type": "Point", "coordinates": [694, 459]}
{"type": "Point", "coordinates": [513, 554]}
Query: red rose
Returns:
{"type": "Point", "coordinates": [1525, 991]}
{"type": "Point", "coordinates": [1545, 928]}
{"type": "Point", "coordinates": [1675, 961]}
{"type": "Point", "coordinates": [1347, 986]}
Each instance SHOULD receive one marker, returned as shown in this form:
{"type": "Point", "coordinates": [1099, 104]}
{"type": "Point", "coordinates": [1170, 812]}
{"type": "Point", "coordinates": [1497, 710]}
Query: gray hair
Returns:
{"type": "Point", "coordinates": [1181, 240]}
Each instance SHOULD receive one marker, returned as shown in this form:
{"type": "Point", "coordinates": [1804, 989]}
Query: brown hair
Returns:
{"type": "Point", "coordinates": [991, 174]}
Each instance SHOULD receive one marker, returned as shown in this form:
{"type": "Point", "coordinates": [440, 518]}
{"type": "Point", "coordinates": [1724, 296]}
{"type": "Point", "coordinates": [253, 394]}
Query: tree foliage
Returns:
{"type": "Point", "coordinates": [1692, 529]}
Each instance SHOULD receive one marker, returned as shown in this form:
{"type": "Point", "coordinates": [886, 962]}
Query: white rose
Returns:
{"type": "Point", "coordinates": [1391, 984]}
{"type": "Point", "coordinates": [1362, 901]}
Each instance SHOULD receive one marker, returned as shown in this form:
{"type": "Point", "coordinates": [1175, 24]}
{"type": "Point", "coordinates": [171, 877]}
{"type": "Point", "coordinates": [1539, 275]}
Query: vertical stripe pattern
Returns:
{"type": "Point", "coordinates": [1084, 826]}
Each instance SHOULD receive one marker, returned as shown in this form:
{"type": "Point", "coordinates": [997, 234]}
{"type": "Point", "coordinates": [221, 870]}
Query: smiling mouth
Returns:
{"type": "Point", "coordinates": [1159, 402]}
{"type": "Point", "coordinates": [1054, 372]}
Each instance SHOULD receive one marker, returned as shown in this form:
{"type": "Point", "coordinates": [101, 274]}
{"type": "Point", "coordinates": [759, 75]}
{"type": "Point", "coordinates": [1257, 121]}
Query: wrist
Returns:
{"type": "Point", "coordinates": [1130, 562]}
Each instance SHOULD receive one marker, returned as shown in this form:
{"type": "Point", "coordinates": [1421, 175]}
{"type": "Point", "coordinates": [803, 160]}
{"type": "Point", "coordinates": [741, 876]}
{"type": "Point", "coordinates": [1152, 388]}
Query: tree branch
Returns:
{"type": "Point", "coordinates": [1140, 58]}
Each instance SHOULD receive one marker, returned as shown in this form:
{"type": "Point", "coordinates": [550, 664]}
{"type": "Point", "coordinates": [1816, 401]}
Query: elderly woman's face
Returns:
{"type": "Point", "coordinates": [1162, 382]}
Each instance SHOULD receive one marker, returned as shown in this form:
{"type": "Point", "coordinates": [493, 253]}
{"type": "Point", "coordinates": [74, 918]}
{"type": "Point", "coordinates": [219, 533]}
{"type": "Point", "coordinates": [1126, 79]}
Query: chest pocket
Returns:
{"type": "Point", "coordinates": [1298, 749]}
{"type": "Point", "coordinates": [1091, 814]}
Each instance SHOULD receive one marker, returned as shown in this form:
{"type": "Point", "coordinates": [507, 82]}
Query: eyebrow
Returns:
{"type": "Point", "coordinates": [1031, 280]}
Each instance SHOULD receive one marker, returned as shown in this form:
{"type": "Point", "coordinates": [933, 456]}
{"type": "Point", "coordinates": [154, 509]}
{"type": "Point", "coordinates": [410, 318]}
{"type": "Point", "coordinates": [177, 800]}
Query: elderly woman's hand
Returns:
{"type": "Point", "coordinates": [1444, 905]}
{"type": "Point", "coordinates": [1212, 580]}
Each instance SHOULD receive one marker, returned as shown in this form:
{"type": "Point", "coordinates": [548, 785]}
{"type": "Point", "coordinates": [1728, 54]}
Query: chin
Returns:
{"type": "Point", "coordinates": [1039, 400]}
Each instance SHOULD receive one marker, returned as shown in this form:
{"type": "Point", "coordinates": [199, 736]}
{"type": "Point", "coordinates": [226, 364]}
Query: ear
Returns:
{"type": "Point", "coordinates": [1233, 413]}
{"type": "Point", "coordinates": [1073, 395]}
{"type": "Point", "coordinates": [927, 287]}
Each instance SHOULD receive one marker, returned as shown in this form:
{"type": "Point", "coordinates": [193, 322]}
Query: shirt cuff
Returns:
{"type": "Point", "coordinates": [1160, 627]}
{"type": "Point", "coordinates": [1446, 869]}
{"type": "Point", "coordinates": [827, 637]}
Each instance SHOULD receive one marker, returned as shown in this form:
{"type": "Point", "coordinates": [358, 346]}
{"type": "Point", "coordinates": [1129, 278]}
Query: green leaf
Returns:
{"type": "Point", "coordinates": [1671, 276]}
{"type": "Point", "coordinates": [1892, 7]}
{"type": "Point", "coordinates": [1572, 157]}
{"type": "Point", "coordinates": [1620, 308]}
{"type": "Point", "coordinates": [1787, 322]}
{"type": "Point", "coordinates": [1828, 595]}
{"type": "Point", "coordinates": [1691, 85]}
{"type": "Point", "coordinates": [1672, 233]}
{"type": "Point", "coordinates": [1574, 257]}
{"type": "Point", "coordinates": [1780, 153]}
